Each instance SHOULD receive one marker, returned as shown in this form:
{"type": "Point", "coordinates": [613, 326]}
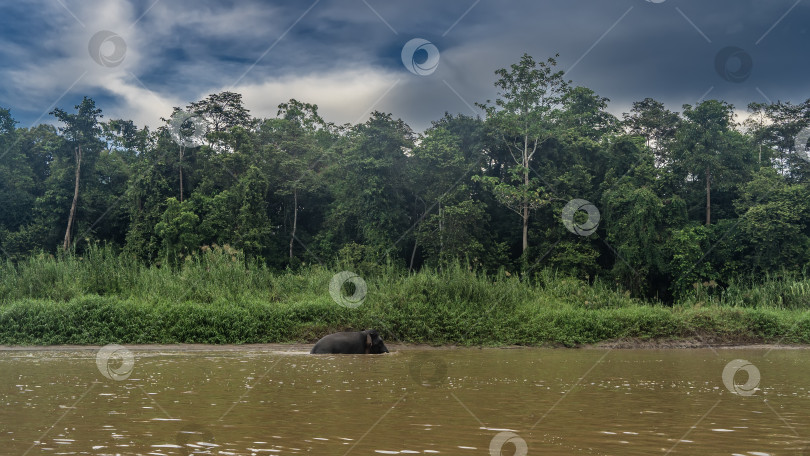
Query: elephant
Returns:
{"type": "Point", "coordinates": [357, 342]}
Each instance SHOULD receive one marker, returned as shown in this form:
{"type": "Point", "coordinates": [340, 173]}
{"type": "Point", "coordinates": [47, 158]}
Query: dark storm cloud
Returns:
{"type": "Point", "coordinates": [345, 55]}
{"type": "Point", "coordinates": [663, 50]}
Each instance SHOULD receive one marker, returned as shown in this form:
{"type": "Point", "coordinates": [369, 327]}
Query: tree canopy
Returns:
{"type": "Point", "coordinates": [682, 199]}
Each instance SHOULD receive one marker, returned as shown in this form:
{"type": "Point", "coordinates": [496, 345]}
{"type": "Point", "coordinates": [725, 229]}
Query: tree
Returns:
{"type": "Point", "coordinates": [223, 111]}
{"type": "Point", "coordinates": [30, 217]}
{"type": "Point", "coordinates": [148, 189]}
{"type": "Point", "coordinates": [253, 227]}
{"type": "Point", "coordinates": [457, 233]}
{"type": "Point", "coordinates": [440, 177]}
{"type": "Point", "coordinates": [776, 126]}
{"type": "Point", "coordinates": [773, 229]}
{"type": "Point", "coordinates": [107, 182]}
{"type": "Point", "coordinates": [177, 230]}
{"type": "Point", "coordinates": [18, 183]}
{"type": "Point", "coordinates": [370, 187]}
{"type": "Point", "coordinates": [123, 136]}
{"type": "Point", "coordinates": [686, 200]}
{"type": "Point", "coordinates": [81, 131]}
{"type": "Point", "coordinates": [523, 117]}
{"type": "Point", "coordinates": [300, 152]}
{"type": "Point", "coordinates": [707, 146]}
{"type": "Point", "coordinates": [585, 114]}
{"type": "Point", "coordinates": [755, 124]}
{"type": "Point", "coordinates": [650, 119]}
{"type": "Point", "coordinates": [16, 176]}
{"type": "Point", "coordinates": [186, 130]}
{"type": "Point", "coordinates": [634, 222]}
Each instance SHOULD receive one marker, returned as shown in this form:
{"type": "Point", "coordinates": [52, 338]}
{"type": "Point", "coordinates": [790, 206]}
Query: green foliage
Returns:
{"type": "Point", "coordinates": [686, 248]}
{"type": "Point", "coordinates": [635, 226]}
{"type": "Point", "coordinates": [216, 297]}
{"type": "Point", "coordinates": [657, 125]}
{"type": "Point", "coordinates": [177, 231]}
{"type": "Point", "coordinates": [773, 229]}
{"type": "Point", "coordinates": [523, 118]}
{"type": "Point", "coordinates": [371, 188]}
{"type": "Point", "coordinates": [456, 233]}
{"type": "Point", "coordinates": [690, 203]}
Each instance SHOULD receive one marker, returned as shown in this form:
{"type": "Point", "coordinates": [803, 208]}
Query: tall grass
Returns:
{"type": "Point", "coordinates": [218, 297]}
{"type": "Point", "coordinates": [786, 291]}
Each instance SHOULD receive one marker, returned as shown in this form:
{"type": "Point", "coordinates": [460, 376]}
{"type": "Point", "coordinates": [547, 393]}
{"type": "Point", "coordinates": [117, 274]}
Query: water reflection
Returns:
{"type": "Point", "coordinates": [534, 401]}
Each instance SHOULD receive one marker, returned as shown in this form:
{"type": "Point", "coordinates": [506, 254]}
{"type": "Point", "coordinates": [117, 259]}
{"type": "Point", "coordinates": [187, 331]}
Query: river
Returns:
{"type": "Point", "coordinates": [267, 401]}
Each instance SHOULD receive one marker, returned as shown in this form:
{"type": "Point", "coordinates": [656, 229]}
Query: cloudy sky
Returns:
{"type": "Point", "coordinates": [137, 58]}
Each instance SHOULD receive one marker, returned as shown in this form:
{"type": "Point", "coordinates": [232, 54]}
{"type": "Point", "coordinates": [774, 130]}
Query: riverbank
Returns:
{"type": "Point", "coordinates": [537, 321]}
{"type": "Point", "coordinates": [218, 299]}
{"type": "Point", "coordinates": [397, 347]}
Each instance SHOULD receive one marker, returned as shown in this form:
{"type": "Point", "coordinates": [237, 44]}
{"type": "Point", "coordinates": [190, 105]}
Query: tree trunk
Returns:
{"type": "Point", "coordinates": [181, 173]}
{"type": "Point", "coordinates": [441, 231]}
{"type": "Point", "coordinates": [525, 228]}
{"type": "Point", "coordinates": [415, 239]}
{"type": "Point", "coordinates": [708, 197]}
{"type": "Point", "coordinates": [77, 154]}
{"type": "Point", "coordinates": [295, 220]}
{"type": "Point", "coordinates": [525, 214]}
{"type": "Point", "coordinates": [413, 254]}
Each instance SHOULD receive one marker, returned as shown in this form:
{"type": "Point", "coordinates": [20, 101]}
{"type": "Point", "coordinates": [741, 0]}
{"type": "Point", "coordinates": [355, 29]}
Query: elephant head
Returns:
{"type": "Point", "coordinates": [374, 344]}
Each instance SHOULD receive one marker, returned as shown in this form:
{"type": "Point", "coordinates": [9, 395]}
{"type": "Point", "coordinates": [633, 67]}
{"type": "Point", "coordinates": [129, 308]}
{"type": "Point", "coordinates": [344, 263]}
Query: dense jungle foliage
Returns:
{"type": "Point", "coordinates": [690, 200]}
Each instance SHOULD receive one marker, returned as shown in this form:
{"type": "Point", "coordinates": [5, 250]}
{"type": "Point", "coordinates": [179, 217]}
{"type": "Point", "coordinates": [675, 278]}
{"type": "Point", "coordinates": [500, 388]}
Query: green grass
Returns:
{"type": "Point", "coordinates": [216, 298]}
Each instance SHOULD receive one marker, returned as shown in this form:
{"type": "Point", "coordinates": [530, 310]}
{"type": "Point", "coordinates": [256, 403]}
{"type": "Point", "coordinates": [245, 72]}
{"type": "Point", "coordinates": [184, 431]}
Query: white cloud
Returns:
{"type": "Point", "coordinates": [342, 95]}
{"type": "Point", "coordinates": [139, 104]}
{"type": "Point", "coordinates": [347, 95]}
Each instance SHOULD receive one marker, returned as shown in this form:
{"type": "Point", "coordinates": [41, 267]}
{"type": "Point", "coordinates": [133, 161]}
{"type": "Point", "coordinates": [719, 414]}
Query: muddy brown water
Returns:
{"type": "Point", "coordinates": [261, 401]}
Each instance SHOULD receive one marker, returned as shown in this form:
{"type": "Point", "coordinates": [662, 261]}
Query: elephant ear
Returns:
{"type": "Point", "coordinates": [368, 343]}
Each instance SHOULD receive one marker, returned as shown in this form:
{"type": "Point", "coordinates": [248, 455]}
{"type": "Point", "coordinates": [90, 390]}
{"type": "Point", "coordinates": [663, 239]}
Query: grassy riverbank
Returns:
{"type": "Point", "coordinates": [103, 298]}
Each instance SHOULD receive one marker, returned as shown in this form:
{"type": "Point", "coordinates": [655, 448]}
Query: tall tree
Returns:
{"type": "Point", "coordinates": [523, 117]}
{"type": "Point", "coordinates": [82, 131]}
{"type": "Point", "coordinates": [705, 144]}
{"type": "Point", "coordinates": [187, 130]}
{"type": "Point", "coordinates": [300, 152]}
